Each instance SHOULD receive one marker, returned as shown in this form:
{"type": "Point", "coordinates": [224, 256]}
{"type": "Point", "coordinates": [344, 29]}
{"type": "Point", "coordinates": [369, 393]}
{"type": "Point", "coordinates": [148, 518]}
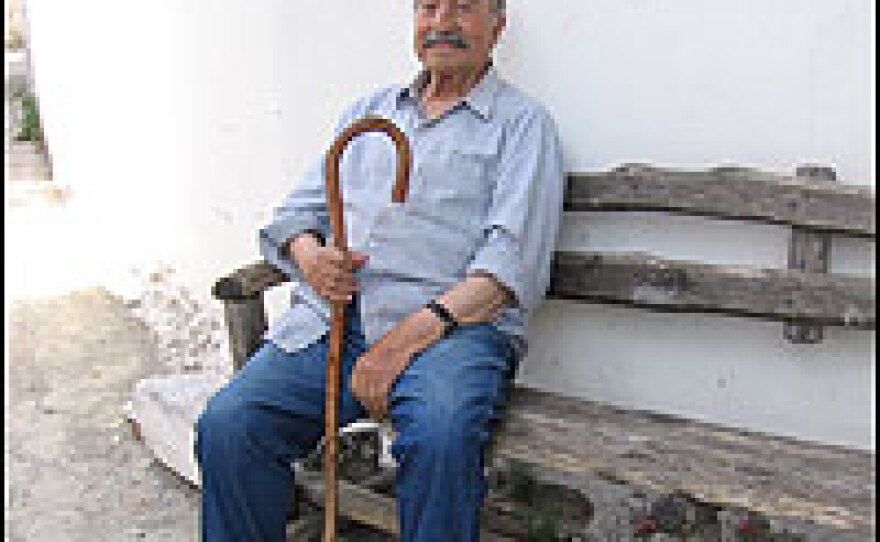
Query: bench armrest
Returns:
{"type": "Point", "coordinates": [248, 282]}
{"type": "Point", "coordinates": [242, 295]}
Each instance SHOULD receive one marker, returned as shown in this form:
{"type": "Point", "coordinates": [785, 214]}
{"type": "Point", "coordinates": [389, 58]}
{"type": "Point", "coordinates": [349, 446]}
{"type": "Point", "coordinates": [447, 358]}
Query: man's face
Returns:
{"type": "Point", "coordinates": [456, 34]}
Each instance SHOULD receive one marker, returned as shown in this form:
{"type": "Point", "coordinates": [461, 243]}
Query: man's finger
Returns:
{"type": "Point", "coordinates": [353, 383]}
{"type": "Point", "coordinates": [326, 258]}
{"type": "Point", "coordinates": [378, 411]}
{"type": "Point", "coordinates": [369, 398]}
{"type": "Point", "coordinates": [381, 407]}
{"type": "Point", "coordinates": [335, 258]}
{"type": "Point", "coordinates": [343, 281]}
{"type": "Point", "coordinates": [371, 408]}
{"type": "Point", "coordinates": [379, 404]}
{"type": "Point", "coordinates": [359, 383]}
{"type": "Point", "coordinates": [338, 281]}
{"type": "Point", "coordinates": [358, 259]}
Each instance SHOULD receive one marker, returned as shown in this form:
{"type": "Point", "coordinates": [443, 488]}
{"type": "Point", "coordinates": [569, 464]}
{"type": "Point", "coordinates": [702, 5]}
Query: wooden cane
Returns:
{"type": "Point", "coordinates": [337, 327]}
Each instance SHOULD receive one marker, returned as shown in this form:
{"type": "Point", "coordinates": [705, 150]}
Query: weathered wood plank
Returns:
{"type": "Point", "coordinates": [355, 502]}
{"type": "Point", "coordinates": [242, 296]}
{"type": "Point", "coordinates": [304, 529]}
{"type": "Point", "coordinates": [770, 475]}
{"type": "Point", "coordinates": [808, 251]}
{"type": "Point", "coordinates": [645, 281]}
{"type": "Point", "coordinates": [642, 280]}
{"type": "Point", "coordinates": [246, 322]}
{"type": "Point", "coordinates": [248, 281]}
{"type": "Point", "coordinates": [775, 476]}
{"type": "Point", "coordinates": [371, 508]}
{"type": "Point", "coordinates": [728, 193]}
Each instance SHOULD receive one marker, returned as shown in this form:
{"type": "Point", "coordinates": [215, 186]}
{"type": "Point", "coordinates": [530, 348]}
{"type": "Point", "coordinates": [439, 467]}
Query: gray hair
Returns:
{"type": "Point", "coordinates": [498, 6]}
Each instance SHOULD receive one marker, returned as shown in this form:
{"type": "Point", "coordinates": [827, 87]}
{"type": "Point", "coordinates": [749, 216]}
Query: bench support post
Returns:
{"type": "Point", "coordinates": [808, 251]}
{"type": "Point", "coordinates": [246, 321]}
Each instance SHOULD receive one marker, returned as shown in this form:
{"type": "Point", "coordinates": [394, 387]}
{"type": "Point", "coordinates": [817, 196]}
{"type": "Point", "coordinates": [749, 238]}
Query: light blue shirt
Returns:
{"type": "Point", "coordinates": [485, 194]}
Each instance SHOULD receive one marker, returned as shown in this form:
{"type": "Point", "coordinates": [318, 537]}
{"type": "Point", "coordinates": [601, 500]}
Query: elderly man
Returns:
{"type": "Point", "coordinates": [440, 289]}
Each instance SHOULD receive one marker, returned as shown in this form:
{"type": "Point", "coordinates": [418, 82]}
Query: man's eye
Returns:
{"type": "Point", "coordinates": [465, 7]}
{"type": "Point", "coordinates": [428, 8]}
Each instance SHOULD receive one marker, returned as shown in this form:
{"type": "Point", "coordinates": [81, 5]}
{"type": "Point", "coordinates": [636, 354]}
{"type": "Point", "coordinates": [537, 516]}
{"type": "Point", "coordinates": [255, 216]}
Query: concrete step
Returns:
{"type": "Point", "coordinates": [17, 173]}
{"type": "Point", "coordinates": [20, 156]}
{"type": "Point", "coordinates": [24, 147]}
{"type": "Point", "coordinates": [26, 160]}
{"type": "Point", "coordinates": [16, 72]}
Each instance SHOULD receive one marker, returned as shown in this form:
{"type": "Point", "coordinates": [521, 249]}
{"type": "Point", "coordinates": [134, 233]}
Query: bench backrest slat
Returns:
{"type": "Point", "coordinates": [727, 193]}
{"type": "Point", "coordinates": [775, 294]}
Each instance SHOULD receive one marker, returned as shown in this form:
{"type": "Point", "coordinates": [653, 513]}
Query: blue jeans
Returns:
{"type": "Point", "coordinates": [442, 407]}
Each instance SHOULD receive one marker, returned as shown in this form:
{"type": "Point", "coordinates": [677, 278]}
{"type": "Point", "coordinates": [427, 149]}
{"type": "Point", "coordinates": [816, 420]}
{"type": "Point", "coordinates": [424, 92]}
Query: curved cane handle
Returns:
{"type": "Point", "coordinates": [401, 180]}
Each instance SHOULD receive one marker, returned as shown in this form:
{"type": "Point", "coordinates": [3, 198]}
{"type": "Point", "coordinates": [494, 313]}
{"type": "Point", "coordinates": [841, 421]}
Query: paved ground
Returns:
{"type": "Point", "coordinates": [75, 472]}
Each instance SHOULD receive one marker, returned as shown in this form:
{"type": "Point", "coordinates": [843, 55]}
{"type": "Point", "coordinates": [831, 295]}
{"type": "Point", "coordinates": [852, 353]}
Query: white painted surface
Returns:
{"type": "Point", "coordinates": [179, 124]}
{"type": "Point", "coordinates": [166, 409]}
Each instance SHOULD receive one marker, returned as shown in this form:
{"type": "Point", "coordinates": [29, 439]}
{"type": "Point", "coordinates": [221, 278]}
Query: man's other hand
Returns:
{"type": "Point", "coordinates": [328, 270]}
{"type": "Point", "coordinates": [375, 372]}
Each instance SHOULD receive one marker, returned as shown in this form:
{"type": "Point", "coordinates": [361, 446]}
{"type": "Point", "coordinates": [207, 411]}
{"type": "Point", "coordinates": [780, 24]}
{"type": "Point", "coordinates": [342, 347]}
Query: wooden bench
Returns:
{"type": "Point", "coordinates": [677, 476]}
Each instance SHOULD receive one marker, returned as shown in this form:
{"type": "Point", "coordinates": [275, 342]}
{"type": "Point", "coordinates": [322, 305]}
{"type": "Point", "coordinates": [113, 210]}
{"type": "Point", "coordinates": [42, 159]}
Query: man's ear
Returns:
{"type": "Point", "coordinates": [500, 24]}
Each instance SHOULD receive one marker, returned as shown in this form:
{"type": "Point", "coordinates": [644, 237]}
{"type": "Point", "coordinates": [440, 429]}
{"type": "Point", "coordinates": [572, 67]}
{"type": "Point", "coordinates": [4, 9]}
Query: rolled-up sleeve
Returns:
{"type": "Point", "coordinates": [522, 225]}
{"type": "Point", "coordinates": [303, 209]}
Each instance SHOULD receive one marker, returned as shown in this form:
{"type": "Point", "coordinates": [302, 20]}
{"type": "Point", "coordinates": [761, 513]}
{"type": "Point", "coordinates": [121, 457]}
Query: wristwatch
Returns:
{"type": "Point", "coordinates": [444, 314]}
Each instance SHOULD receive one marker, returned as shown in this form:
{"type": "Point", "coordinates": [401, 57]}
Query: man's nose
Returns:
{"type": "Point", "coordinates": [446, 18]}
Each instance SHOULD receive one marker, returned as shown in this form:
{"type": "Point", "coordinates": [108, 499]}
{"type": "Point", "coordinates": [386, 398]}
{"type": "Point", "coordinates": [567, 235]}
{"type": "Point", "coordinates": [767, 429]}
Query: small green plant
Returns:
{"type": "Point", "coordinates": [30, 122]}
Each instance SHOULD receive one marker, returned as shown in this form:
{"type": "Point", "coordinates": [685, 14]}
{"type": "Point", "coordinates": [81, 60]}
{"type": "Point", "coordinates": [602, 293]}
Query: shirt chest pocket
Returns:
{"type": "Point", "coordinates": [407, 244]}
{"type": "Point", "coordinates": [454, 185]}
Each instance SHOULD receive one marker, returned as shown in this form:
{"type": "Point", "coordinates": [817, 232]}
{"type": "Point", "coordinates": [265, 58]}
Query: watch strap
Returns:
{"type": "Point", "coordinates": [444, 314]}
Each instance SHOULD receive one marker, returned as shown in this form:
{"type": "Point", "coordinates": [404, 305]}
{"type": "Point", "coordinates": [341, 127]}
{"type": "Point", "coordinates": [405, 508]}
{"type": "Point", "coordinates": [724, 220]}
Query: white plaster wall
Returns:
{"type": "Point", "coordinates": [208, 111]}
{"type": "Point", "coordinates": [109, 84]}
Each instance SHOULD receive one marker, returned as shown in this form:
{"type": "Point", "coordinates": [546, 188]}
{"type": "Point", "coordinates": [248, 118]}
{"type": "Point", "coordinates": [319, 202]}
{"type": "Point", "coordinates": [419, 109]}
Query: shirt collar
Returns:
{"type": "Point", "coordinates": [480, 99]}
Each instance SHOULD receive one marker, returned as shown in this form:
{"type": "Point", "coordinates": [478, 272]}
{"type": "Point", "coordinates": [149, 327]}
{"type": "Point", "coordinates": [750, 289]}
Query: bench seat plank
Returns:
{"type": "Point", "coordinates": [555, 434]}
{"type": "Point", "coordinates": [771, 475]}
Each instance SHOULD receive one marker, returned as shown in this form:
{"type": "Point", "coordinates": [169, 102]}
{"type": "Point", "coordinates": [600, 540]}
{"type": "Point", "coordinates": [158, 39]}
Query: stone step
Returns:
{"type": "Point", "coordinates": [24, 147]}
{"type": "Point", "coordinates": [26, 160]}
{"type": "Point", "coordinates": [28, 164]}
{"type": "Point", "coordinates": [15, 62]}
{"type": "Point", "coordinates": [25, 157]}
{"type": "Point", "coordinates": [19, 173]}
